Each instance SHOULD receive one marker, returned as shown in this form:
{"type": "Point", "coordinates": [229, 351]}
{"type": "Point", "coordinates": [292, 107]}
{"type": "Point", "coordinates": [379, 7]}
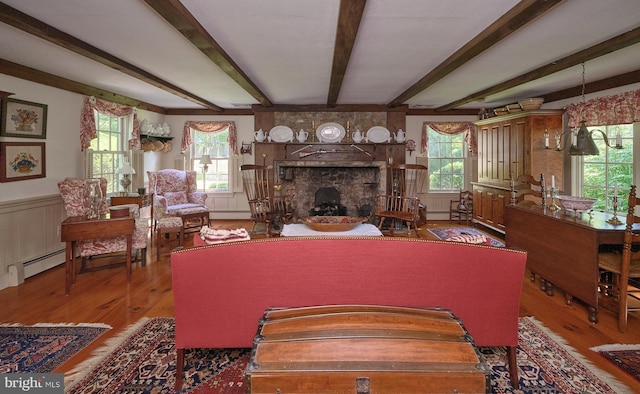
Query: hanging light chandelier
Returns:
{"type": "Point", "coordinates": [582, 143]}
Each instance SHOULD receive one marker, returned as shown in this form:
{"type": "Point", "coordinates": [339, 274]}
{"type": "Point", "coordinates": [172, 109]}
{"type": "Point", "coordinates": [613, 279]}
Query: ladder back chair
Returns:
{"type": "Point", "coordinates": [462, 208]}
{"type": "Point", "coordinates": [624, 266]}
{"type": "Point", "coordinates": [527, 185]}
{"type": "Point", "coordinates": [264, 206]}
{"type": "Point", "coordinates": [402, 202]}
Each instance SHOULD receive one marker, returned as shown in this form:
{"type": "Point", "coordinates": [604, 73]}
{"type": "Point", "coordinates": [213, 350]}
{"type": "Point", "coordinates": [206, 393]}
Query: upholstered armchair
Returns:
{"type": "Point", "coordinates": [174, 191]}
{"type": "Point", "coordinates": [72, 192]}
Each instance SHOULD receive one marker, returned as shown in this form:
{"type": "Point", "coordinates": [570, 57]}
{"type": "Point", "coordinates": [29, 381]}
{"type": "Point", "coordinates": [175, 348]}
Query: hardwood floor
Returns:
{"type": "Point", "coordinates": [104, 296]}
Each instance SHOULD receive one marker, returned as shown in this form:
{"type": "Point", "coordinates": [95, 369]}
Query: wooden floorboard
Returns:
{"type": "Point", "coordinates": [105, 297]}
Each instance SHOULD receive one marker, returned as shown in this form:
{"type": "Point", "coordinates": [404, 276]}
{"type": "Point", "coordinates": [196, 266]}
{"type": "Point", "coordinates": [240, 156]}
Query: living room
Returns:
{"type": "Point", "coordinates": [31, 210]}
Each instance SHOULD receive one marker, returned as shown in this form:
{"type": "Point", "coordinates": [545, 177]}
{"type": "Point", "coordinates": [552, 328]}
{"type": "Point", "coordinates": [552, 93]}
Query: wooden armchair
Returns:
{"type": "Point", "coordinates": [622, 267]}
{"type": "Point", "coordinates": [527, 185]}
{"type": "Point", "coordinates": [264, 206]}
{"type": "Point", "coordinates": [401, 203]}
{"type": "Point", "coordinates": [72, 192]}
{"type": "Point", "coordinates": [462, 208]}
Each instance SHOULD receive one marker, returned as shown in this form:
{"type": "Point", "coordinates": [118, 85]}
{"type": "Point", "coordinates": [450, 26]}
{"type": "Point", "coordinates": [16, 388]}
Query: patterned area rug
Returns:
{"type": "Point", "coordinates": [43, 347]}
{"type": "Point", "coordinates": [625, 357]}
{"type": "Point", "coordinates": [144, 362]}
{"type": "Point", "coordinates": [445, 233]}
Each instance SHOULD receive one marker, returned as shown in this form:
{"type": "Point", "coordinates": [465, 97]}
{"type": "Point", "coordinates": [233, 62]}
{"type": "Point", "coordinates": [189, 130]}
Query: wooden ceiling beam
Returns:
{"type": "Point", "coordinates": [605, 47]}
{"type": "Point", "coordinates": [517, 17]}
{"type": "Point", "coordinates": [349, 18]}
{"type": "Point", "coordinates": [182, 20]}
{"type": "Point", "coordinates": [31, 74]}
{"type": "Point", "coordinates": [33, 26]}
{"type": "Point", "coordinates": [595, 86]}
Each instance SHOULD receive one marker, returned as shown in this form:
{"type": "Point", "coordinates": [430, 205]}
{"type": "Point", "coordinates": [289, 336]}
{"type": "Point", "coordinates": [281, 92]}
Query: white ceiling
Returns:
{"type": "Point", "coordinates": [286, 47]}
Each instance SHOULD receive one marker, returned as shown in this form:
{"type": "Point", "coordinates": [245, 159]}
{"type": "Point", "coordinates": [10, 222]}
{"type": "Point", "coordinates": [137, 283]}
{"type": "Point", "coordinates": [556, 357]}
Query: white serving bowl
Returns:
{"type": "Point", "coordinates": [531, 104]}
{"type": "Point", "coordinates": [576, 203]}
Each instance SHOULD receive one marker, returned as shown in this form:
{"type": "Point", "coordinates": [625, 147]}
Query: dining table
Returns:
{"type": "Point", "coordinates": [562, 248]}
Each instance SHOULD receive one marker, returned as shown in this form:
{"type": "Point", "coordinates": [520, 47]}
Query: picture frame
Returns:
{"type": "Point", "coordinates": [23, 119]}
{"type": "Point", "coordinates": [22, 160]}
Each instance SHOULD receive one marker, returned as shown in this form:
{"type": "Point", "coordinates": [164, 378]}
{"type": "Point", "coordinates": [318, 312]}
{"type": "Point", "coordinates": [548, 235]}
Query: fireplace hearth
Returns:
{"type": "Point", "coordinates": [332, 188]}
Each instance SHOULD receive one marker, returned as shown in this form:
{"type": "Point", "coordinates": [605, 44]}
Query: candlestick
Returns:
{"type": "Point", "coordinates": [546, 139]}
{"type": "Point", "coordinates": [614, 220]}
{"type": "Point", "coordinates": [554, 194]}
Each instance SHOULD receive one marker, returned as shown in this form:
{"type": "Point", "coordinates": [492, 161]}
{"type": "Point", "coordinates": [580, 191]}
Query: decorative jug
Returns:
{"type": "Point", "coordinates": [302, 135]}
{"type": "Point", "coordinates": [260, 136]}
{"type": "Point", "coordinates": [356, 136]}
{"type": "Point", "coordinates": [399, 136]}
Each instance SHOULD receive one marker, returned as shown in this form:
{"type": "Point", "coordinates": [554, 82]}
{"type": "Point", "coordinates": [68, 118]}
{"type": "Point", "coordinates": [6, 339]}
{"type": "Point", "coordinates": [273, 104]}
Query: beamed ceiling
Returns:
{"type": "Point", "coordinates": [221, 56]}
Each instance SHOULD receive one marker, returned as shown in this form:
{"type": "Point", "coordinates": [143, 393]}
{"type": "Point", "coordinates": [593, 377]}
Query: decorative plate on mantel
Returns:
{"type": "Point", "coordinates": [281, 134]}
{"type": "Point", "coordinates": [378, 134]}
{"type": "Point", "coordinates": [330, 132]}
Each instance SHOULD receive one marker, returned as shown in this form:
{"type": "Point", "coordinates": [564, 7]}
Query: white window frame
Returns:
{"type": "Point", "coordinates": [577, 164]}
{"type": "Point", "coordinates": [465, 161]}
{"type": "Point", "coordinates": [196, 152]}
{"type": "Point", "coordinates": [115, 156]}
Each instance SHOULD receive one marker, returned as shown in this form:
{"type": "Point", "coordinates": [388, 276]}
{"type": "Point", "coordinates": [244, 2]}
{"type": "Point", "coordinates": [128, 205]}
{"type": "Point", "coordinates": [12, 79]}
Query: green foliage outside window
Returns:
{"type": "Point", "coordinates": [613, 166]}
{"type": "Point", "coordinates": [446, 161]}
{"type": "Point", "coordinates": [216, 145]}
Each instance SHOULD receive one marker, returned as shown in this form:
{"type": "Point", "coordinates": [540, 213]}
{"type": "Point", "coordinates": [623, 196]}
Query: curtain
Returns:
{"type": "Point", "coordinates": [88, 120]}
{"type": "Point", "coordinates": [451, 128]}
{"type": "Point", "coordinates": [210, 127]}
{"type": "Point", "coordinates": [623, 108]}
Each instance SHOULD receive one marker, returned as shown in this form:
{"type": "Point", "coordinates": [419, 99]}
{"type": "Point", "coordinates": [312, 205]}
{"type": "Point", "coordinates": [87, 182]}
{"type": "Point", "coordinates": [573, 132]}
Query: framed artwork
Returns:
{"type": "Point", "coordinates": [22, 160]}
{"type": "Point", "coordinates": [23, 119]}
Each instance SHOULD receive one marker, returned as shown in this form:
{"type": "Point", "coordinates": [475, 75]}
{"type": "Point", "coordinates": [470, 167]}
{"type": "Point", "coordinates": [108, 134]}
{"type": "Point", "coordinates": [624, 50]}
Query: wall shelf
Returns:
{"type": "Point", "coordinates": [146, 137]}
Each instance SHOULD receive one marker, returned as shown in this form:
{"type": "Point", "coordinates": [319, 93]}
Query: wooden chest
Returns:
{"type": "Point", "coordinates": [364, 349]}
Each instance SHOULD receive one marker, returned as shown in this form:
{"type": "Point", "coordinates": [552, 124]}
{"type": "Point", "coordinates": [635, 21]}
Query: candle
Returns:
{"type": "Point", "coordinates": [615, 189]}
{"type": "Point", "coordinates": [546, 139]}
{"type": "Point", "coordinates": [553, 181]}
{"type": "Point", "coordinates": [618, 140]}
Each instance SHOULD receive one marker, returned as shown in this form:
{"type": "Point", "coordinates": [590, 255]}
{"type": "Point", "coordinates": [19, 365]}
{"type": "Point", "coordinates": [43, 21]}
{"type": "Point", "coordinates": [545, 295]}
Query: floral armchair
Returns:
{"type": "Point", "coordinates": [173, 191]}
{"type": "Point", "coordinates": [72, 192]}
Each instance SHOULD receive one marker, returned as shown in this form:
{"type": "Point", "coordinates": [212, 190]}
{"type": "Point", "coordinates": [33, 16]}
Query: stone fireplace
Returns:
{"type": "Point", "coordinates": [357, 182]}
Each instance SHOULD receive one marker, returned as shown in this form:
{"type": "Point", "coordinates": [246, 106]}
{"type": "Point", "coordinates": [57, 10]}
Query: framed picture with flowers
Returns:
{"type": "Point", "coordinates": [22, 160]}
{"type": "Point", "coordinates": [23, 119]}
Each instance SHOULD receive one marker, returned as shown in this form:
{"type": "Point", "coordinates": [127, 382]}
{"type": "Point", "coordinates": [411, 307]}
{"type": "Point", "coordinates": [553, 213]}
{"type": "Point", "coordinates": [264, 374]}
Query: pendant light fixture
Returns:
{"type": "Point", "coordinates": [582, 143]}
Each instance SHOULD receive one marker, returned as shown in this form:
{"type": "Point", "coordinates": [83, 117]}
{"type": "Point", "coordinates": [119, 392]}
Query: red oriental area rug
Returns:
{"type": "Point", "coordinates": [624, 356]}
{"type": "Point", "coordinates": [143, 361]}
{"type": "Point", "coordinates": [43, 347]}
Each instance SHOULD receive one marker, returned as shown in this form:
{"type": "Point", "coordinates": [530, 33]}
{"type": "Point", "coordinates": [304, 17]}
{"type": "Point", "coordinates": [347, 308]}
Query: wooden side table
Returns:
{"type": "Point", "coordinates": [143, 200]}
{"type": "Point", "coordinates": [79, 228]}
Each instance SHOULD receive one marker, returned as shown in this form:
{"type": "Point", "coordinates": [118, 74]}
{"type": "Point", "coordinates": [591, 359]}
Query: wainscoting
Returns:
{"type": "Point", "coordinates": [30, 241]}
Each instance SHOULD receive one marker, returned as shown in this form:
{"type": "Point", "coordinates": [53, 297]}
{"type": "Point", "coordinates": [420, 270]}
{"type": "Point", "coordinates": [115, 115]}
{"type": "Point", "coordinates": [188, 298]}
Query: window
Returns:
{"type": "Point", "coordinates": [612, 167]}
{"type": "Point", "coordinates": [216, 145]}
{"type": "Point", "coordinates": [107, 152]}
{"type": "Point", "coordinates": [446, 161]}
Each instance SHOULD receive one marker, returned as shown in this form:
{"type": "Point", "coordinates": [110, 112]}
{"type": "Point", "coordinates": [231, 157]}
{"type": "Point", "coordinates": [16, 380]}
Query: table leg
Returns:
{"type": "Point", "coordinates": [67, 267]}
{"type": "Point", "coordinates": [129, 245]}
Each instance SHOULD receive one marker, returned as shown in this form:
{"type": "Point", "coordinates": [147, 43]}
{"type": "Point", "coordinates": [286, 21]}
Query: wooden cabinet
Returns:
{"type": "Point", "coordinates": [489, 205]}
{"type": "Point", "coordinates": [512, 145]}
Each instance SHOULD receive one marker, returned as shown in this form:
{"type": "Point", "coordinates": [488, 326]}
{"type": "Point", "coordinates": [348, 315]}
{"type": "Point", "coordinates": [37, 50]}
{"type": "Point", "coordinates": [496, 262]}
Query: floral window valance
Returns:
{"type": "Point", "coordinates": [210, 127]}
{"type": "Point", "coordinates": [88, 120]}
{"type": "Point", "coordinates": [623, 108]}
{"type": "Point", "coordinates": [451, 128]}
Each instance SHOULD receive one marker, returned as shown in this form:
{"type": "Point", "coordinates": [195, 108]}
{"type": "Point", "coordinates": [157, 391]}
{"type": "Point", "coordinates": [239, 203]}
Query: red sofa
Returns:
{"type": "Point", "coordinates": [221, 291]}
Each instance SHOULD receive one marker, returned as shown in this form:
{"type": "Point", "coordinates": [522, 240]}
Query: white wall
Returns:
{"type": "Point", "coordinates": [62, 149]}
